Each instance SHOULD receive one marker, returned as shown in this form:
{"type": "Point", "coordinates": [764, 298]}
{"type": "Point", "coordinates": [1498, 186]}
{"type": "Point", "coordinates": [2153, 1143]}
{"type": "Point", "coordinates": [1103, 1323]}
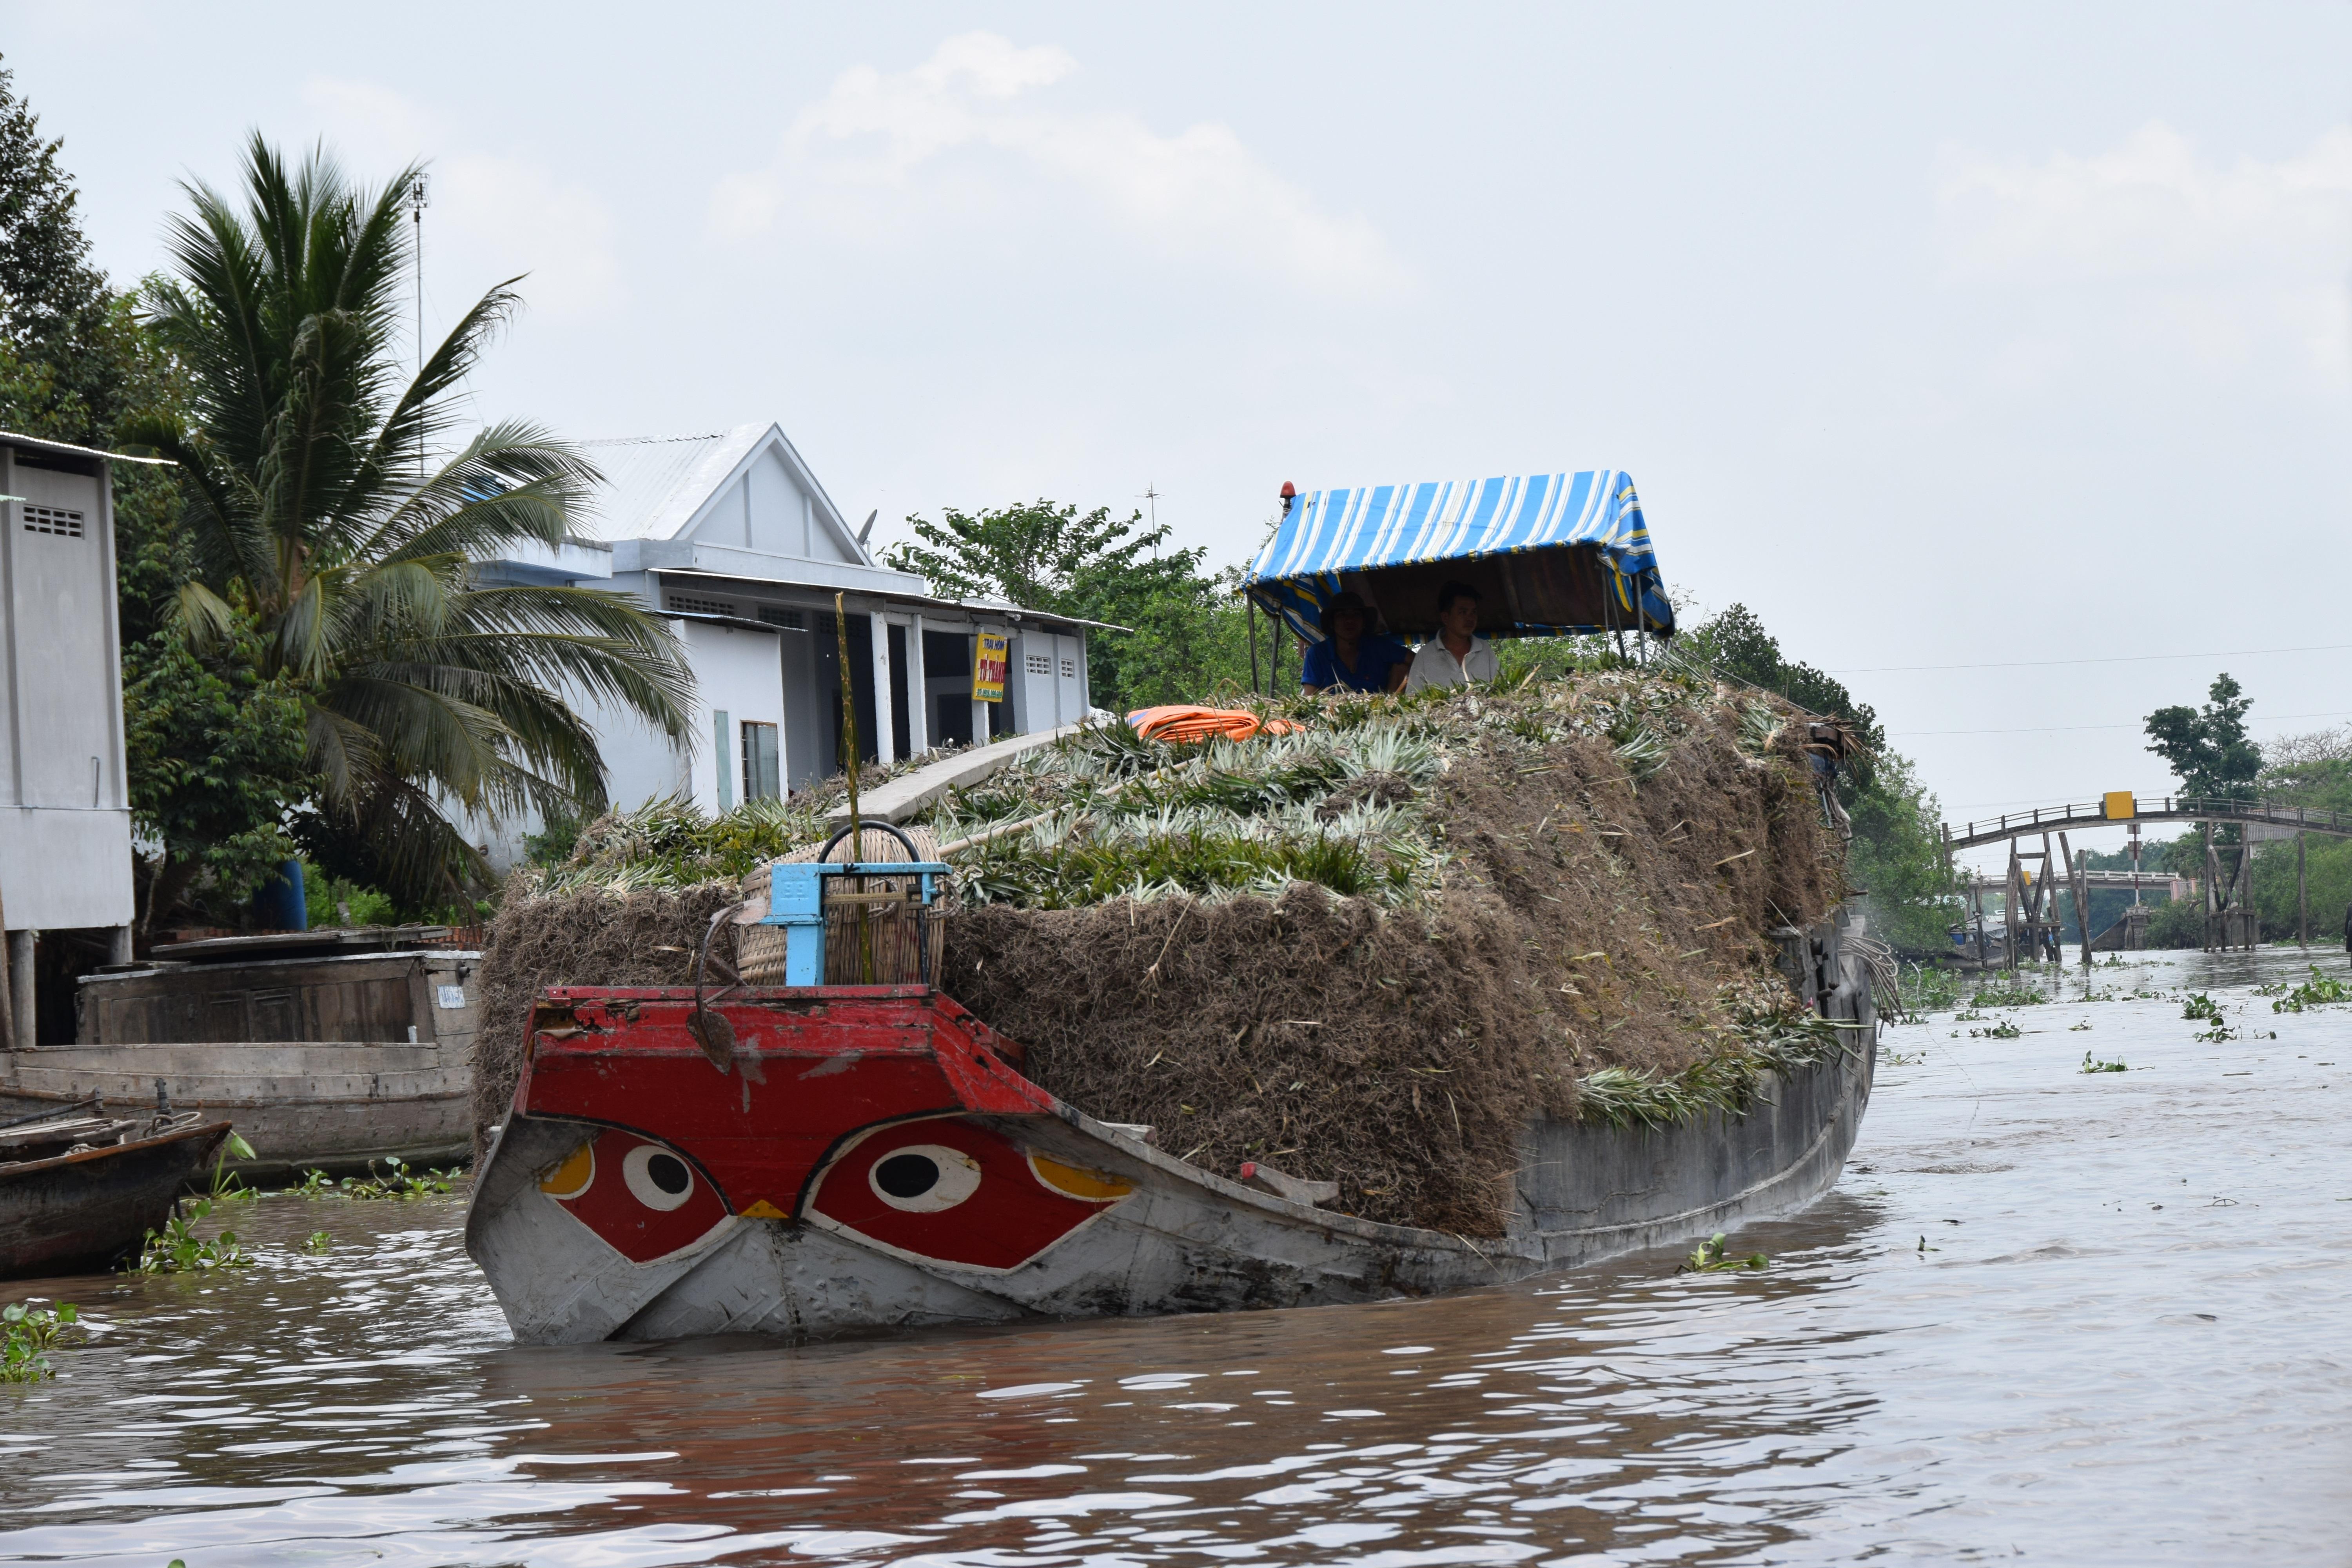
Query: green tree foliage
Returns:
{"type": "Point", "coordinates": [216, 762]}
{"type": "Point", "coordinates": [2211, 754]}
{"type": "Point", "coordinates": [73, 356]}
{"type": "Point", "coordinates": [60, 374]}
{"type": "Point", "coordinates": [1185, 634]}
{"type": "Point", "coordinates": [1735, 644]}
{"type": "Point", "coordinates": [2208, 748]}
{"type": "Point", "coordinates": [324, 507]}
{"type": "Point", "coordinates": [1897, 853]}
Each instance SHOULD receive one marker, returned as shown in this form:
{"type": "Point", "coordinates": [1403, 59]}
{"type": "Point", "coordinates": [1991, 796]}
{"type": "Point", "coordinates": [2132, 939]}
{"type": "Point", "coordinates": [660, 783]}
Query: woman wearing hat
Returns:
{"type": "Point", "coordinates": [1348, 658]}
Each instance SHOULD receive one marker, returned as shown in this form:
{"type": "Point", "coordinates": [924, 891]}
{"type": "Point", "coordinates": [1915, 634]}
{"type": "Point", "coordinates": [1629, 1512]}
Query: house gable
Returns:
{"type": "Point", "coordinates": [773, 505]}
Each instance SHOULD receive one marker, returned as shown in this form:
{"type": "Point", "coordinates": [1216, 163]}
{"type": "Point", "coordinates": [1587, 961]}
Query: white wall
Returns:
{"type": "Point", "coordinates": [1050, 670]}
{"type": "Point", "coordinates": [738, 672]}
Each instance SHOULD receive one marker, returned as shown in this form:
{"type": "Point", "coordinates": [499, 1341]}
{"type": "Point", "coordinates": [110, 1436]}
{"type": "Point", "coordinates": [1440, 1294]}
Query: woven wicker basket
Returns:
{"type": "Point", "coordinates": [889, 929]}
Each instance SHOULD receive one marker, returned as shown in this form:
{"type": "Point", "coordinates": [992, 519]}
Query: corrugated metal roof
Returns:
{"type": "Point", "coordinates": [38, 443]}
{"type": "Point", "coordinates": [654, 484]}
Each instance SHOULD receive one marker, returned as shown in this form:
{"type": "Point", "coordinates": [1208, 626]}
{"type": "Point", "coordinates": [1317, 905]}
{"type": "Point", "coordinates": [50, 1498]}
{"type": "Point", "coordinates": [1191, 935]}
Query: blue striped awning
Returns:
{"type": "Point", "coordinates": [1550, 554]}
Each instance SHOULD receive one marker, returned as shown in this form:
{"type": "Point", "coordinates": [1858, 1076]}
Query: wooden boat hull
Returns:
{"type": "Point", "coordinates": [300, 1105]}
{"type": "Point", "coordinates": [872, 1158]}
{"type": "Point", "coordinates": [79, 1214]}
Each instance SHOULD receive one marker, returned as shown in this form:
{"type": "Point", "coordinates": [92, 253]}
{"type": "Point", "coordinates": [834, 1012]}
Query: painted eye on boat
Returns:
{"type": "Point", "coordinates": [656, 1178]}
{"type": "Point", "coordinates": [924, 1178]}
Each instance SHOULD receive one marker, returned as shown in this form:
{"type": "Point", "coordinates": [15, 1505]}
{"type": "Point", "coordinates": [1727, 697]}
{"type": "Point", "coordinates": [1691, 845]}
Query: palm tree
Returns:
{"type": "Point", "coordinates": [326, 506]}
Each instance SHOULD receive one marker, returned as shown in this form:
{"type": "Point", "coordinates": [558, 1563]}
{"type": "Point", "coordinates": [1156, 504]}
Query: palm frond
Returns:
{"type": "Point", "coordinates": [324, 504]}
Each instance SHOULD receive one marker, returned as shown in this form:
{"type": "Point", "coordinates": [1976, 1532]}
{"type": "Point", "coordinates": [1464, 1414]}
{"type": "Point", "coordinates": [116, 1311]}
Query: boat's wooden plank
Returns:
{"type": "Point", "coordinates": [259, 1055]}
{"type": "Point", "coordinates": [245, 1088]}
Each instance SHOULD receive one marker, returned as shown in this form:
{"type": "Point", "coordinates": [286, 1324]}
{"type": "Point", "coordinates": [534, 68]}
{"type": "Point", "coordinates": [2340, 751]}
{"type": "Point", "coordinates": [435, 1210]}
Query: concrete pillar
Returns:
{"type": "Point", "coordinates": [919, 722]}
{"type": "Point", "coordinates": [886, 710]}
{"type": "Point", "coordinates": [20, 983]}
{"type": "Point", "coordinates": [118, 945]}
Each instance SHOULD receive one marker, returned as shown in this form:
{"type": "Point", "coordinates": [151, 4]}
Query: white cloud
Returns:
{"type": "Point", "coordinates": [1201, 194]}
{"type": "Point", "coordinates": [492, 214]}
{"type": "Point", "coordinates": [2220, 258]}
{"type": "Point", "coordinates": [2150, 207]}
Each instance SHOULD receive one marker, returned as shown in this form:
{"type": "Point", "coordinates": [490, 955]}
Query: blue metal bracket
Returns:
{"type": "Point", "coordinates": [796, 902]}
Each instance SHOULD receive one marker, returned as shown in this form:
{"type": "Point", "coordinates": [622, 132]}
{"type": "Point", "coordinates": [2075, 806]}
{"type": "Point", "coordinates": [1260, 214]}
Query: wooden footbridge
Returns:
{"type": "Point", "coordinates": [2122, 808]}
{"type": "Point", "coordinates": [2030, 903]}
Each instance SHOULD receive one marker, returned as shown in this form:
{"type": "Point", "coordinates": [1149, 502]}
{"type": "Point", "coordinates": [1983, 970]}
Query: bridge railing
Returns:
{"type": "Point", "coordinates": [2191, 808]}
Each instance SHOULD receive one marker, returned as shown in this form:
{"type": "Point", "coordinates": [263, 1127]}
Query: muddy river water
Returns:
{"type": "Point", "coordinates": [2066, 1317]}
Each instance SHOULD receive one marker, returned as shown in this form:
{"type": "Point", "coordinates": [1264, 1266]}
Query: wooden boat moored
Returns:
{"type": "Point", "coordinates": [80, 1191]}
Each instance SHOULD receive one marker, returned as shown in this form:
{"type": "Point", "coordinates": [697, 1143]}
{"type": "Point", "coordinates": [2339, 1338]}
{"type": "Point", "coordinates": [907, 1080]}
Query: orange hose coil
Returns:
{"type": "Point", "coordinates": [1180, 722]}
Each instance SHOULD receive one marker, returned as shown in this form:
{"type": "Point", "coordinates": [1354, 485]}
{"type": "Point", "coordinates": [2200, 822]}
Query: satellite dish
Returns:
{"type": "Point", "coordinates": [864, 533]}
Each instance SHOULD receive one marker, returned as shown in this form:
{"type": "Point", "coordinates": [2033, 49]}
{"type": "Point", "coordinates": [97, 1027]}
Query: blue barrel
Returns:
{"type": "Point", "coordinates": [279, 904]}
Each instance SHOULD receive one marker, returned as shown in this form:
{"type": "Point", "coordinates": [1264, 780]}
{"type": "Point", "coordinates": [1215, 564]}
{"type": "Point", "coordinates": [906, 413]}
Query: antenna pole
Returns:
{"type": "Point", "coordinates": [416, 202]}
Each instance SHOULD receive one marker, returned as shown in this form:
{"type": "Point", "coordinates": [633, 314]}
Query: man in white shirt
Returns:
{"type": "Point", "coordinates": [1457, 655]}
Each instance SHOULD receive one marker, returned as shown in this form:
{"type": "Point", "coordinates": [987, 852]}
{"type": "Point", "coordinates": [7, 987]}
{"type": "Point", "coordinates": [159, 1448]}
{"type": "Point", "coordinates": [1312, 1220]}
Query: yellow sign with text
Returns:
{"type": "Point", "coordinates": [2121, 807]}
{"type": "Point", "coordinates": [988, 667]}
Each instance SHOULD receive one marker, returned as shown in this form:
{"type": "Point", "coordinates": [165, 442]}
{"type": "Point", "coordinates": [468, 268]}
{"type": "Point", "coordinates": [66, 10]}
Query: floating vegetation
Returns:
{"type": "Point", "coordinates": [2316, 992]}
{"type": "Point", "coordinates": [2091, 1064]}
{"type": "Point", "coordinates": [313, 1184]}
{"type": "Point", "coordinates": [178, 1249]}
{"type": "Point", "coordinates": [2199, 1005]}
{"type": "Point", "coordinates": [2078, 1028]}
{"type": "Point", "coordinates": [318, 1241]}
{"type": "Point", "coordinates": [1709, 1259]}
{"type": "Point", "coordinates": [2006, 1029]}
{"type": "Point", "coordinates": [2008, 997]}
{"type": "Point", "coordinates": [1922, 989]}
{"type": "Point", "coordinates": [26, 1335]}
{"type": "Point", "coordinates": [397, 1182]}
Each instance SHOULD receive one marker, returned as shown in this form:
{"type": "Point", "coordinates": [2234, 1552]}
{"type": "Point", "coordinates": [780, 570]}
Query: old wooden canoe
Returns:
{"type": "Point", "coordinates": [85, 1210]}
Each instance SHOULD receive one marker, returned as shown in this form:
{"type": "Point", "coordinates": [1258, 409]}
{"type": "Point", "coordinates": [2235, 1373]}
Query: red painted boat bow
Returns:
{"type": "Point", "coordinates": [848, 1107]}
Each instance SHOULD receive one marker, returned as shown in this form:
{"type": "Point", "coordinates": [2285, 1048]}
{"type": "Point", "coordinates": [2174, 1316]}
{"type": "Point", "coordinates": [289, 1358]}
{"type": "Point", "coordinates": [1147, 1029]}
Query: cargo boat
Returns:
{"type": "Point", "coordinates": [814, 1160]}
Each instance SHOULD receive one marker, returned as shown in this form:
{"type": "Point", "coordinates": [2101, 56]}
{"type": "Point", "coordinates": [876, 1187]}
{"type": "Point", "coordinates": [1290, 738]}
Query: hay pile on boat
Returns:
{"type": "Point", "coordinates": [1366, 952]}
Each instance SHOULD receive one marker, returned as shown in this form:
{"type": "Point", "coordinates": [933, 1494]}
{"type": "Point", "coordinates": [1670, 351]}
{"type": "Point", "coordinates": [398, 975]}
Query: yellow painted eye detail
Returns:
{"type": "Point", "coordinates": [1077, 1182]}
{"type": "Point", "coordinates": [570, 1179]}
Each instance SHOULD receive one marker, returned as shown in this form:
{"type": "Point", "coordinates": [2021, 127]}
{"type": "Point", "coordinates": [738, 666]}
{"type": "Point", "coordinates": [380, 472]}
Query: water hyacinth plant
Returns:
{"type": "Point", "coordinates": [26, 1335]}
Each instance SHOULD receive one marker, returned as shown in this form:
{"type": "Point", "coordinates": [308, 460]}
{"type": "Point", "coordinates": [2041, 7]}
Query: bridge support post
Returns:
{"type": "Point", "coordinates": [2249, 924]}
{"type": "Point", "coordinates": [2215, 901]}
{"type": "Point", "coordinates": [2012, 892]}
{"type": "Point", "coordinates": [2082, 896]}
{"type": "Point", "coordinates": [2302, 896]}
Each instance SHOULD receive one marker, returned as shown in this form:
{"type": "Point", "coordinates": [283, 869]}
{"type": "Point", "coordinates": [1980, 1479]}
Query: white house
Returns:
{"type": "Point", "coordinates": [65, 804]}
{"type": "Point", "coordinates": [730, 535]}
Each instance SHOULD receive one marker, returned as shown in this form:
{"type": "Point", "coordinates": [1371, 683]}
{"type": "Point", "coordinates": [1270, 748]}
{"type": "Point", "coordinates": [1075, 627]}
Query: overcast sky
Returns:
{"type": "Point", "coordinates": [2022, 334]}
